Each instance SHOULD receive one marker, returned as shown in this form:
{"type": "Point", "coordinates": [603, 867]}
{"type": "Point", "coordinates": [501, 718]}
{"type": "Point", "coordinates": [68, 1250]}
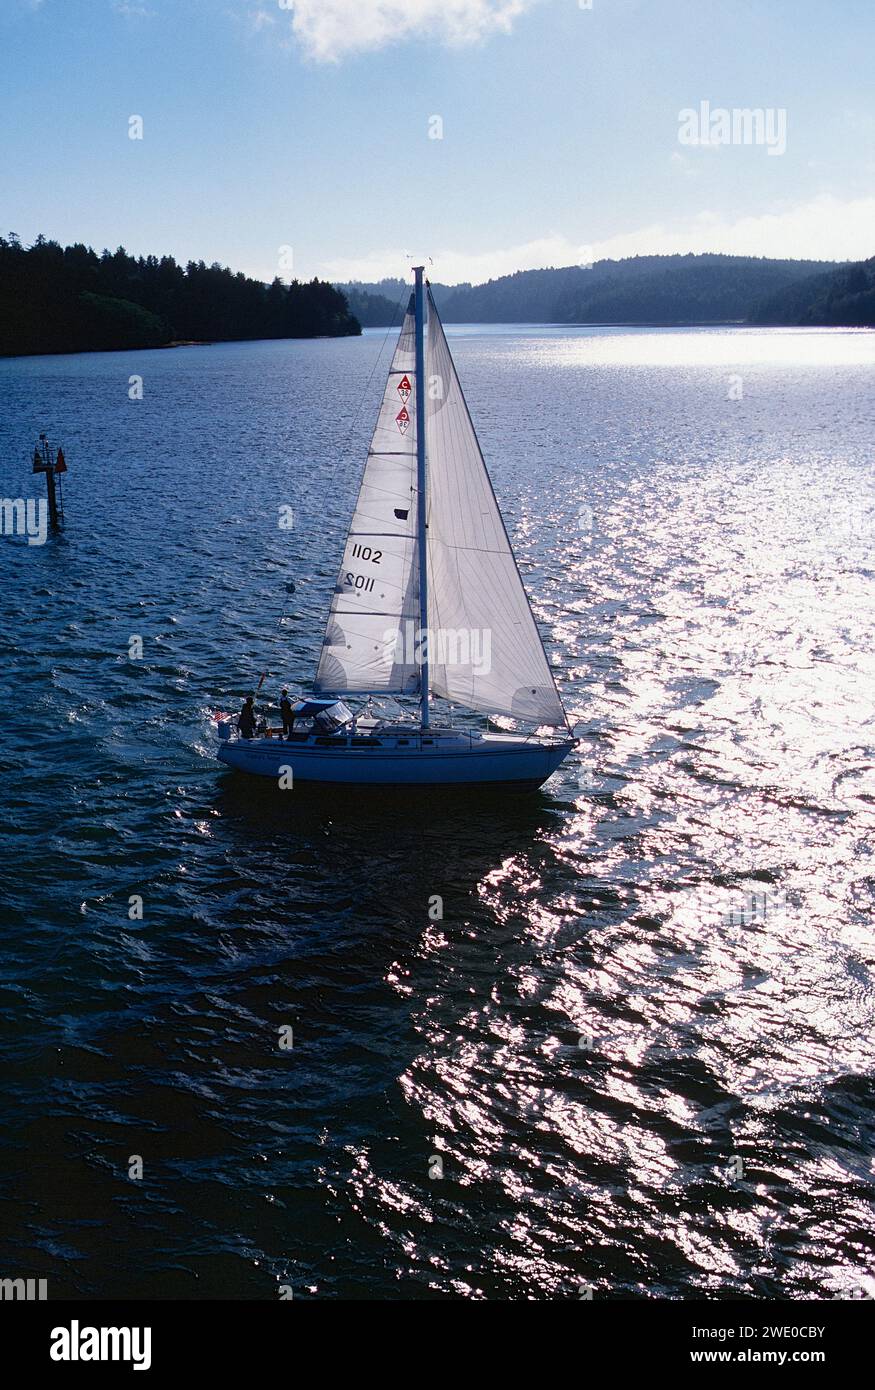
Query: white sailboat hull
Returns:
{"type": "Point", "coordinates": [441, 759]}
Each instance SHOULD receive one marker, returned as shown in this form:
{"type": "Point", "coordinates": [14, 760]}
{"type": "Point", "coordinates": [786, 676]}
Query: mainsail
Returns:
{"type": "Point", "coordinates": [485, 651]}
{"type": "Point", "coordinates": [377, 590]}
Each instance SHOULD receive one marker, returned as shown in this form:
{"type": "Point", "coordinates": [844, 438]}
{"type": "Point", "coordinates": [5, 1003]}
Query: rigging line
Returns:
{"type": "Point", "coordinates": [345, 450]}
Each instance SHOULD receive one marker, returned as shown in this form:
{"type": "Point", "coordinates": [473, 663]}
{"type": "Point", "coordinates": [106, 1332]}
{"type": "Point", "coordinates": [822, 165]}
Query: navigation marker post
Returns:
{"type": "Point", "coordinates": [46, 460]}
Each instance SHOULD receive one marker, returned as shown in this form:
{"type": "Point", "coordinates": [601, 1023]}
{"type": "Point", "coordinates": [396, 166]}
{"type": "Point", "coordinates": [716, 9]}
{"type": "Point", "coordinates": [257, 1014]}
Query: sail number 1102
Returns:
{"type": "Point", "coordinates": [361, 581]}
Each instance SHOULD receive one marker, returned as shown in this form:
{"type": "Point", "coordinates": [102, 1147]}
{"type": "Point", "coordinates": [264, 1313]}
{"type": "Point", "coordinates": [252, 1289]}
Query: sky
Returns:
{"type": "Point", "coordinates": [348, 138]}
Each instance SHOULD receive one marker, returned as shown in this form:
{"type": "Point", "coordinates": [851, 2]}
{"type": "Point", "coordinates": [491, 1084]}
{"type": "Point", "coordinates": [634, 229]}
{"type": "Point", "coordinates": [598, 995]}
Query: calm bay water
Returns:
{"type": "Point", "coordinates": [639, 1039]}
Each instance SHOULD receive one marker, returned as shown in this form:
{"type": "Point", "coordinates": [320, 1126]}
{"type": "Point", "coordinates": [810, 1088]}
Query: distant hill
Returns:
{"type": "Point", "coordinates": [681, 289]}
{"type": "Point", "coordinates": [843, 297]}
{"type": "Point", "coordinates": [379, 303]}
{"type": "Point", "coordinates": [372, 309]}
{"type": "Point", "coordinates": [640, 289]}
{"type": "Point", "coordinates": [69, 299]}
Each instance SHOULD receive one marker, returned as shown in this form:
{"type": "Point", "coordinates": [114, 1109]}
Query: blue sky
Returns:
{"type": "Point", "coordinates": [305, 124]}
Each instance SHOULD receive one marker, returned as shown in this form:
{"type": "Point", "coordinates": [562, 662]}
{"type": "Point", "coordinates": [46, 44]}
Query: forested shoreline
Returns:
{"type": "Point", "coordinates": [70, 299]}
{"type": "Point", "coordinates": [666, 290]}
{"type": "Point", "coordinates": [56, 299]}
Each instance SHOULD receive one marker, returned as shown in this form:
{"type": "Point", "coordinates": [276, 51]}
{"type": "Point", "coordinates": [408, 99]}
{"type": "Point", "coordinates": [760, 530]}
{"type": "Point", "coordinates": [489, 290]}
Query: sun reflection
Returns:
{"type": "Point", "coordinates": [673, 966]}
{"type": "Point", "coordinates": [703, 347]}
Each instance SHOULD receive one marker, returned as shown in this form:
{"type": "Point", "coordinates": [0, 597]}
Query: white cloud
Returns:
{"type": "Point", "coordinates": [451, 267]}
{"type": "Point", "coordinates": [331, 29]}
{"type": "Point", "coordinates": [826, 228]}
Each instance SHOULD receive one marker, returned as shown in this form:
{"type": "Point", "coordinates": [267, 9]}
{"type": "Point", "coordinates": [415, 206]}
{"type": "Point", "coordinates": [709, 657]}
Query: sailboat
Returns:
{"type": "Point", "coordinates": [428, 602]}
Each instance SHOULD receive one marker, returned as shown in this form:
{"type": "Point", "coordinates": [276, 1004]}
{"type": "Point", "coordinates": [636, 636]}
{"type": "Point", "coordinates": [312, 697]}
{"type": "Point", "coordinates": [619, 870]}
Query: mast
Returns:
{"type": "Point", "coordinates": [420, 490]}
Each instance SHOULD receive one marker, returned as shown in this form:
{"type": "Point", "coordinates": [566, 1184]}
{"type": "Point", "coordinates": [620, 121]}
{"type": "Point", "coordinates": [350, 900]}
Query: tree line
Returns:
{"type": "Point", "coordinates": [844, 298]}
{"type": "Point", "coordinates": [57, 298]}
{"type": "Point", "coordinates": [675, 289]}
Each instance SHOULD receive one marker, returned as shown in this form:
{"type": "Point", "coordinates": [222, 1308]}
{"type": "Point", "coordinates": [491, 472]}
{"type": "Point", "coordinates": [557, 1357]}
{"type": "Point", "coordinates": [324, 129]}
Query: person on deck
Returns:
{"type": "Point", "coordinates": [288, 714]}
{"type": "Point", "coordinates": [246, 718]}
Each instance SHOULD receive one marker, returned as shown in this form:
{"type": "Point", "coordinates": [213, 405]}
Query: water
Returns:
{"type": "Point", "coordinates": [639, 1038]}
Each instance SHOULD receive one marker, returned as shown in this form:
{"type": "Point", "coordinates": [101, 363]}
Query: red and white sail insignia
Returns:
{"type": "Point", "coordinates": [402, 419]}
{"type": "Point", "coordinates": [404, 388]}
